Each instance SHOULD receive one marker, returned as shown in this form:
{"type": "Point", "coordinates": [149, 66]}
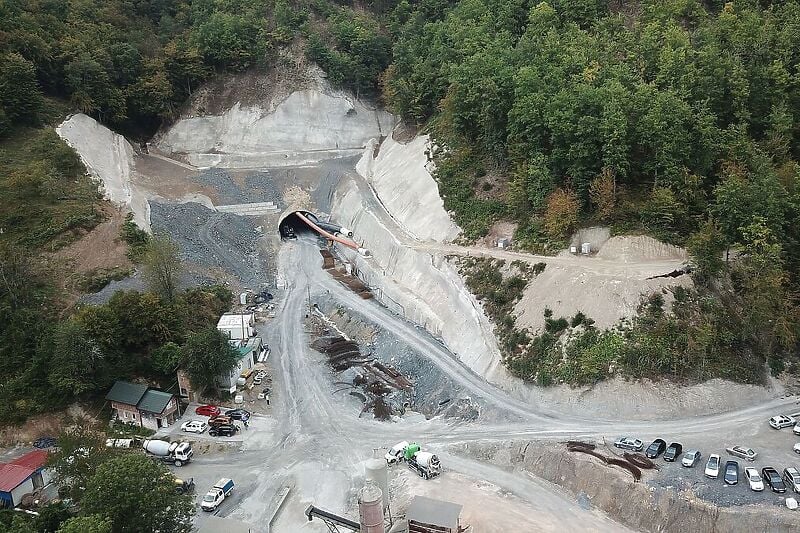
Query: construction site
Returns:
{"type": "Point", "coordinates": [391, 408]}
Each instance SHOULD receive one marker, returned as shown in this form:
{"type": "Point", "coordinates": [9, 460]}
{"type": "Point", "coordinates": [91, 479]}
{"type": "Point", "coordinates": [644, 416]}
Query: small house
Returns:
{"type": "Point", "coordinates": [426, 515]}
{"type": "Point", "coordinates": [237, 326]}
{"type": "Point", "coordinates": [140, 405]}
{"type": "Point", "coordinates": [250, 351]}
{"type": "Point", "coordinates": [22, 476]}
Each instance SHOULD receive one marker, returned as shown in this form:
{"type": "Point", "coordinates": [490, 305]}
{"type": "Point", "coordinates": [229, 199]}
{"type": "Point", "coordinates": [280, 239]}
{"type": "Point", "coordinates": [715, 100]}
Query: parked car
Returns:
{"type": "Point", "coordinates": [744, 453]}
{"type": "Point", "coordinates": [781, 421]}
{"type": "Point", "coordinates": [220, 420]}
{"type": "Point", "coordinates": [224, 430]}
{"type": "Point", "coordinates": [773, 479]}
{"type": "Point", "coordinates": [792, 478]}
{"type": "Point", "coordinates": [752, 477]}
{"type": "Point", "coordinates": [796, 448]}
{"type": "Point", "coordinates": [238, 414]}
{"type": "Point", "coordinates": [207, 410]}
{"type": "Point", "coordinates": [796, 429]}
{"type": "Point", "coordinates": [44, 442]}
{"type": "Point", "coordinates": [690, 458]}
{"type": "Point", "coordinates": [712, 466]}
{"type": "Point", "coordinates": [673, 451]}
{"type": "Point", "coordinates": [194, 426]}
{"type": "Point", "coordinates": [629, 443]}
{"type": "Point", "coordinates": [656, 448]}
{"type": "Point", "coordinates": [731, 473]}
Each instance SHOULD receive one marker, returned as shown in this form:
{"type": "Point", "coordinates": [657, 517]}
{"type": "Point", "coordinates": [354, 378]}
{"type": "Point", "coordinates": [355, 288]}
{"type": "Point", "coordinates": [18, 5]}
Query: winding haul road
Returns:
{"type": "Point", "coordinates": [316, 443]}
{"type": "Point", "coordinates": [319, 442]}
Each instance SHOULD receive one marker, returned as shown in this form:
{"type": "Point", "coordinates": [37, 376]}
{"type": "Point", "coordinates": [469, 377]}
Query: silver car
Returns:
{"type": "Point", "coordinates": [690, 458]}
{"type": "Point", "coordinates": [629, 443]}
{"type": "Point", "coordinates": [743, 452]}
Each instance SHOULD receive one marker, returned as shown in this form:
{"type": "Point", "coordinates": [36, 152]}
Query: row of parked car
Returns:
{"type": "Point", "coordinates": [768, 475]}
{"type": "Point", "coordinates": [218, 424]}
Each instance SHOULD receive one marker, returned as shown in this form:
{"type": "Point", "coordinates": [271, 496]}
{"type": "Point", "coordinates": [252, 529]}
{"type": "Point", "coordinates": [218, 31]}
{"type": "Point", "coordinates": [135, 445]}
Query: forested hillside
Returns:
{"type": "Point", "coordinates": [676, 118]}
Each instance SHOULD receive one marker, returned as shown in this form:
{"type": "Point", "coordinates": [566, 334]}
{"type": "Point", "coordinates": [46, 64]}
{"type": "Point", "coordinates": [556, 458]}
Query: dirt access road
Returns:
{"type": "Point", "coordinates": [317, 443]}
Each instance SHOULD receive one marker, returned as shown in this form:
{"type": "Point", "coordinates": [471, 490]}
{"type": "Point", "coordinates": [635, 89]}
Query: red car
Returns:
{"type": "Point", "coordinates": [207, 410]}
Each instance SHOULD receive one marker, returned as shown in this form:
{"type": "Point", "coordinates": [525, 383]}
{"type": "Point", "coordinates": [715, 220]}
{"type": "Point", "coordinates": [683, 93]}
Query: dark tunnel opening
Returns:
{"type": "Point", "coordinates": [291, 226]}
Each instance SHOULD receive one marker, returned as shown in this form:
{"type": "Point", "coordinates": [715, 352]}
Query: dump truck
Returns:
{"type": "Point", "coordinates": [176, 453]}
{"type": "Point", "coordinates": [216, 494]}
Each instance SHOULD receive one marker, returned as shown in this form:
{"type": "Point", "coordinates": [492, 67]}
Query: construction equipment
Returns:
{"type": "Point", "coordinates": [177, 453]}
{"type": "Point", "coordinates": [333, 521]}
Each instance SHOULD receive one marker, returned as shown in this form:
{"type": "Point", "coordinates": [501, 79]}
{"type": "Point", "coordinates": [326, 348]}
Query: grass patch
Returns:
{"type": "Point", "coordinates": [97, 279]}
{"type": "Point", "coordinates": [48, 201]}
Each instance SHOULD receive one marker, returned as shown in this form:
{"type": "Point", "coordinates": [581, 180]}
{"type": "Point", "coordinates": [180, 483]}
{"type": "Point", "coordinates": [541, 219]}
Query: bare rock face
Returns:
{"type": "Point", "coordinates": [109, 159]}
{"type": "Point", "coordinates": [266, 123]}
{"type": "Point", "coordinates": [400, 174]}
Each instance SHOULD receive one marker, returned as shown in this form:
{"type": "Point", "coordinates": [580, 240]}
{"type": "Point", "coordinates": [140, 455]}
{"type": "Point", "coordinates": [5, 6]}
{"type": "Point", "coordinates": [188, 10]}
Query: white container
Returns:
{"type": "Point", "coordinates": [241, 382]}
{"type": "Point", "coordinates": [586, 248]}
{"type": "Point", "coordinates": [573, 249]}
{"type": "Point", "coordinates": [238, 399]}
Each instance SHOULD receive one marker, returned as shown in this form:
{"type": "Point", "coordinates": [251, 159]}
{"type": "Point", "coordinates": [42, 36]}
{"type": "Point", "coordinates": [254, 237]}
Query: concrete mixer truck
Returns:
{"type": "Point", "coordinates": [176, 453]}
{"type": "Point", "coordinates": [425, 464]}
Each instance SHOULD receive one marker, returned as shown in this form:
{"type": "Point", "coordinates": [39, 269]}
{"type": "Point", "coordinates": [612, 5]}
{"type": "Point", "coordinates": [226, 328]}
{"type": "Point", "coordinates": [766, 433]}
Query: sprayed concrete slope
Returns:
{"type": "Point", "coordinates": [401, 179]}
{"type": "Point", "coordinates": [422, 287]}
{"type": "Point", "coordinates": [109, 158]}
{"type": "Point", "coordinates": [305, 127]}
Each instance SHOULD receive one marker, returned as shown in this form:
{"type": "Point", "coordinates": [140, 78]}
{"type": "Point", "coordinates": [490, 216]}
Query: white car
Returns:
{"type": "Point", "coordinates": [754, 479]}
{"type": "Point", "coordinates": [781, 421]}
{"type": "Point", "coordinates": [796, 429]}
{"type": "Point", "coordinates": [629, 443]}
{"type": "Point", "coordinates": [395, 454]}
{"type": "Point", "coordinates": [712, 466]}
{"type": "Point", "coordinates": [194, 426]}
{"type": "Point", "coordinates": [796, 448]}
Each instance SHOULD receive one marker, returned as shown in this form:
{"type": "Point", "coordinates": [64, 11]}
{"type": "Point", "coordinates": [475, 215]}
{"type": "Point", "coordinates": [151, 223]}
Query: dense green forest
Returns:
{"type": "Point", "coordinates": [677, 118]}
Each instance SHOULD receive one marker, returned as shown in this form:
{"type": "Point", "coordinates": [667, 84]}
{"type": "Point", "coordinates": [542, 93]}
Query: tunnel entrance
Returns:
{"type": "Point", "coordinates": [304, 222]}
{"type": "Point", "coordinates": [292, 226]}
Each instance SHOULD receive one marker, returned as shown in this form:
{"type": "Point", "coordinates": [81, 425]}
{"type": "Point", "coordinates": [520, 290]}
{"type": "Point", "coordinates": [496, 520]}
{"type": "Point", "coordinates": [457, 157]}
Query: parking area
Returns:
{"type": "Point", "coordinates": [774, 449]}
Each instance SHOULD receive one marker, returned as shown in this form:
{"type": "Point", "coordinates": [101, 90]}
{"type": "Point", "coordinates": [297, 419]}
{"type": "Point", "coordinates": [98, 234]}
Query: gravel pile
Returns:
{"type": "Point", "coordinates": [214, 240]}
{"type": "Point", "coordinates": [259, 187]}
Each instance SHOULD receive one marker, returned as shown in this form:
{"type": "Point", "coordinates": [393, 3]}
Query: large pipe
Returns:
{"type": "Point", "coordinates": [331, 236]}
{"type": "Point", "coordinates": [330, 226]}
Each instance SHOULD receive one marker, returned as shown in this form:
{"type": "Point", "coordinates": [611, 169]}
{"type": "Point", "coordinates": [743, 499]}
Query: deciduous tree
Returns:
{"type": "Point", "coordinates": [207, 354]}
{"type": "Point", "coordinates": [162, 266]}
{"type": "Point", "coordinates": [561, 215]}
{"type": "Point", "coordinates": [137, 494]}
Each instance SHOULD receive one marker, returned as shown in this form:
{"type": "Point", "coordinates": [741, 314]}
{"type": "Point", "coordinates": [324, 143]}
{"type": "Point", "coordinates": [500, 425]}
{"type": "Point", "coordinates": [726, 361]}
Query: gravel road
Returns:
{"type": "Point", "coordinates": [316, 431]}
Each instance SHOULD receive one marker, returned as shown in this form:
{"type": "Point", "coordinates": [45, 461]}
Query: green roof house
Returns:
{"type": "Point", "coordinates": [140, 405]}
